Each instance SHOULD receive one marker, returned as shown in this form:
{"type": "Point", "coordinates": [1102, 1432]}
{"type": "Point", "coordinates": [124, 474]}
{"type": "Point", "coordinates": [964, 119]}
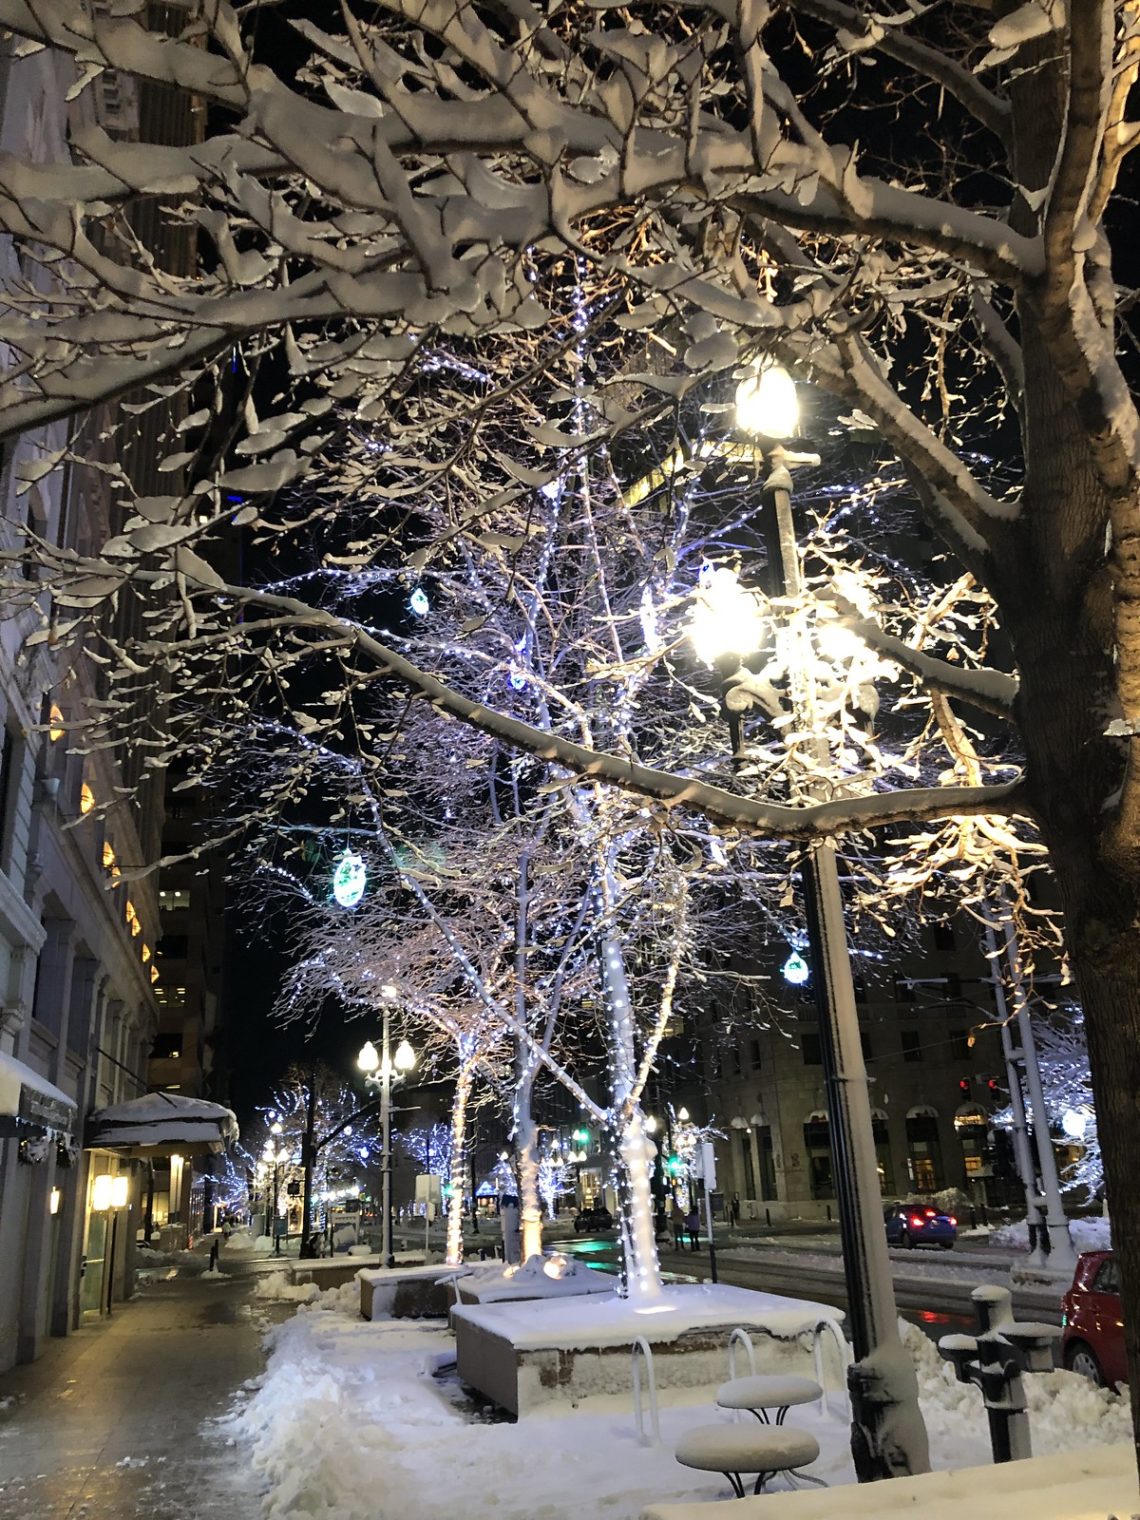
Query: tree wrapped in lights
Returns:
{"type": "Point", "coordinates": [325, 1130]}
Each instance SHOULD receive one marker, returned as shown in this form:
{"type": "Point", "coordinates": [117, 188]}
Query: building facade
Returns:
{"type": "Point", "coordinates": [934, 1065]}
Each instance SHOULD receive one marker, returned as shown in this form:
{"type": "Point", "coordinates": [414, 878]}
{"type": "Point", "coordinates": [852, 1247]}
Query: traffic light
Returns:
{"type": "Point", "coordinates": [582, 1137]}
{"type": "Point", "coordinates": [994, 1086]}
{"type": "Point", "coordinates": [964, 1087]}
{"type": "Point", "coordinates": [674, 1166]}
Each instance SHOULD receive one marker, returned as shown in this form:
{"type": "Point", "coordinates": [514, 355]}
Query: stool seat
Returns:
{"type": "Point", "coordinates": [748, 1448]}
{"type": "Point", "coordinates": [768, 1391]}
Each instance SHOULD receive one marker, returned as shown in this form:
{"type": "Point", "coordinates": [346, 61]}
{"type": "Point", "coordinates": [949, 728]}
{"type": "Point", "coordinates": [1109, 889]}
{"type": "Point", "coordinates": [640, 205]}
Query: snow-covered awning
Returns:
{"type": "Point", "coordinates": [162, 1124]}
{"type": "Point", "coordinates": [28, 1098]}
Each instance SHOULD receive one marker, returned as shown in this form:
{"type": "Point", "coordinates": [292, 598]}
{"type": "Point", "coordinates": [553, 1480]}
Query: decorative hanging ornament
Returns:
{"type": "Point", "coordinates": [418, 602]}
{"type": "Point", "coordinates": [796, 970]}
{"type": "Point", "coordinates": [349, 877]}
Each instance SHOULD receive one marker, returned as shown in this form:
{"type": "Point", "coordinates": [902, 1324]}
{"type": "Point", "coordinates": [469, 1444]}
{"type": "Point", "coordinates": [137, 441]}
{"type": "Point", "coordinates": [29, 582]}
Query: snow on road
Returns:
{"type": "Point", "coordinates": [354, 1421]}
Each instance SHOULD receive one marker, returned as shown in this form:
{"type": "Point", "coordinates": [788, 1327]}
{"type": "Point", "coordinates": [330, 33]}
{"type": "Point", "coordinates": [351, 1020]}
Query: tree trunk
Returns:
{"type": "Point", "coordinates": [526, 1152]}
{"type": "Point", "coordinates": [463, 1086]}
{"type": "Point", "coordinates": [633, 1151]}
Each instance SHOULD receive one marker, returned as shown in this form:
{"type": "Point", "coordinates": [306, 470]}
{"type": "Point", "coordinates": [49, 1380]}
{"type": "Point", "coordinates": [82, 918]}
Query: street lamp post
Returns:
{"type": "Point", "coordinates": [883, 1386]}
{"type": "Point", "coordinates": [369, 1061]}
{"type": "Point", "coordinates": [274, 1156]}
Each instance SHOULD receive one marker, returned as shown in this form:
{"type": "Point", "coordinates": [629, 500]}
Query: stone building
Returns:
{"type": "Point", "coordinates": [933, 1060]}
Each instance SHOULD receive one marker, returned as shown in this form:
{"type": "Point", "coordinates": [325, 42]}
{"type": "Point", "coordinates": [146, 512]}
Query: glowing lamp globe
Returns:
{"type": "Point", "coordinates": [1074, 1121]}
{"type": "Point", "coordinates": [369, 1058]}
{"type": "Point", "coordinates": [726, 618]}
{"type": "Point", "coordinates": [795, 969]}
{"type": "Point", "coordinates": [349, 878]}
{"type": "Point", "coordinates": [766, 403]}
{"type": "Point", "coordinates": [405, 1057]}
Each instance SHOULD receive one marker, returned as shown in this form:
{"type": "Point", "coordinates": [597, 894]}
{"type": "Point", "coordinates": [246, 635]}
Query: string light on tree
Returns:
{"type": "Point", "coordinates": [418, 602]}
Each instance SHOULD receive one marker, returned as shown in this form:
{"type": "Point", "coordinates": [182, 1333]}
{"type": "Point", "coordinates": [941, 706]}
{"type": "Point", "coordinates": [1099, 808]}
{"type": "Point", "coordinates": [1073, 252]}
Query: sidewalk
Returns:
{"type": "Point", "coordinates": [107, 1424]}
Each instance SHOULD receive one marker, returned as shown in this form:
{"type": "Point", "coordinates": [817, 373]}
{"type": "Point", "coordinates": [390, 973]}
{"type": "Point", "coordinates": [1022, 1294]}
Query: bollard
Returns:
{"type": "Point", "coordinates": [994, 1361]}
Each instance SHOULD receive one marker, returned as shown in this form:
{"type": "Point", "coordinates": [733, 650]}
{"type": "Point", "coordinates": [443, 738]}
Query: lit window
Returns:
{"type": "Point", "coordinates": [171, 901]}
{"type": "Point", "coordinates": [56, 729]}
{"type": "Point", "coordinates": [108, 854]}
{"type": "Point", "coordinates": [145, 954]}
{"type": "Point", "coordinates": [154, 973]}
{"type": "Point", "coordinates": [86, 798]}
{"type": "Point", "coordinates": [133, 919]}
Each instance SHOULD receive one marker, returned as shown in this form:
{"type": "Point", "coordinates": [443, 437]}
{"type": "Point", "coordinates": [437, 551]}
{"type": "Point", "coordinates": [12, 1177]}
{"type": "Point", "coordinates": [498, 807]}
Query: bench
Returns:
{"type": "Point", "coordinates": [765, 1391]}
{"type": "Point", "coordinates": [734, 1449]}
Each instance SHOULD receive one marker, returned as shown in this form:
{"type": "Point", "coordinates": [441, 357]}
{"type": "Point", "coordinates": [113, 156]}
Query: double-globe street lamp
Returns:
{"type": "Point", "coordinates": [275, 1155]}
{"type": "Point", "coordinates": [379, 1069]}
{"type": "Point", "coordinates": [729, 628]}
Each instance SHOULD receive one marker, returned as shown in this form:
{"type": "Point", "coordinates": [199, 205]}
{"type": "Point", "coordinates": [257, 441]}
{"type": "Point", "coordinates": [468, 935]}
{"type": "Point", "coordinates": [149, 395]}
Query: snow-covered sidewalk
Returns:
{"type": "Point", "coordinates": [361, 1421]}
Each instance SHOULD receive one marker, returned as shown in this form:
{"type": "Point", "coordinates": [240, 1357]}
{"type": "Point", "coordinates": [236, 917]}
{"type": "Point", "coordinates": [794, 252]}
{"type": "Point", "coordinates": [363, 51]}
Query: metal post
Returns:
{"type": "Point", "coordinates": [870, 1288]}
{"type": "Point", "coordinates": [386, 1126]}
{"type": "Point", "coordinates": [276, 1226]}
{"type": "Point", "coordinates": [308, 1161]}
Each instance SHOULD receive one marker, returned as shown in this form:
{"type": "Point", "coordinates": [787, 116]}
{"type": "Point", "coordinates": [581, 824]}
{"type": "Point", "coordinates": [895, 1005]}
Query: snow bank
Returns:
{"type": "Point", "coordinates": [1066, 1412]}
{"type": "Point", "coordinates": [352, 1421]}
{"type": "Point", "coordinates": [1092, 1232]}
{"type": "Point", "coordinates": [1102, 1482]}
{"type": "Point", "coordinates": [275, 1287]}
{"type": "Point", "coordinates": [242, 1240]}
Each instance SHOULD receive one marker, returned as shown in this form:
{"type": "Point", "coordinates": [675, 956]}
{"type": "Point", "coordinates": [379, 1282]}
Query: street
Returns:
{"type": "Point", "coordinates": [932, 1288]}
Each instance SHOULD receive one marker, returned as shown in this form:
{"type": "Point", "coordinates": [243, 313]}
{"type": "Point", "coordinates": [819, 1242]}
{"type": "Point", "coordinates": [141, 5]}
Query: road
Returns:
{"type": "Point", "coordinates": [932, 1288]}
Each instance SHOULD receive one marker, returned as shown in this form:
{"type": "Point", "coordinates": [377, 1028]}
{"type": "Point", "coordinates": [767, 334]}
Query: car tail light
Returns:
{"type": "Point", "coordinates": [917, 1221]}
{"type": "Point", "coordinates": [931, 1213]}
{"type": "Point", "coordinates": [952, 1219]}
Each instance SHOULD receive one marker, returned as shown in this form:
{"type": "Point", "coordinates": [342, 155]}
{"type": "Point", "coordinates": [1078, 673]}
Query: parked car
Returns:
{"type": "Point", "coordinates": [919, 1224]}
{"type": "Point", "coordinates": [1092, 1338]}
{"type": "Point", "coordinates": [589, 1220]}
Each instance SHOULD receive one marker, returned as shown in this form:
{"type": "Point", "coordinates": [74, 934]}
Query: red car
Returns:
{"type": "Point", "coordinates": [1092, 1341]}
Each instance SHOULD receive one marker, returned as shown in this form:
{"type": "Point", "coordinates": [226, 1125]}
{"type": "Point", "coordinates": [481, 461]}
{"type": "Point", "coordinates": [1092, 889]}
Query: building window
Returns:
{"type": "Point", "coordinates": [960, 1044]}
{"type": "Point", "coordinates": [865, 1043]}
{"type": "Point", "coordinates": [943, 936]}
{"type": "Point", "coordinates": [174, 947]}
{"type": "Point", "coordinates": [754, 1054]}
{"type": "Point", "coordinates": [924, 1152]}
{"type": "Point", "coordinates": [911, 1045]}
{"type": "Point", "coordinates": [812, 1054]}
{"type": "Point", "coordinates": [904, 992]}
{"type": "Point", "coordinates": [166, 1047]}
{"type": "Point", "coordinates": [817, 1145]}
{"type": "Point", "coordinates": [171, 901]}
{"type": "Point", "coordinates": [859, 986]}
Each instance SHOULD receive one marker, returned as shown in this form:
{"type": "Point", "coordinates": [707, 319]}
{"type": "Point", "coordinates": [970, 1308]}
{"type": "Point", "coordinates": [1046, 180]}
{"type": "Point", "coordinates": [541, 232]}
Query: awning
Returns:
{"type": "Point", "coordinates": [28, 1098]}
{"type": "Point", "coordinates": [162, 1124]}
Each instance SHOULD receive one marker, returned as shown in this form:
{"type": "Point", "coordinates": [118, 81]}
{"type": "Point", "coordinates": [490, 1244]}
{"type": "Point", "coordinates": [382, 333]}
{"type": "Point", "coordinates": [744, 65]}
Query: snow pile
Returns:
{"type": "Point", "coordinates": [1066, 1411]}
{"type": "Point", "coordinates": [275, 1287]}
{"type": "Point", "coordinates": [342, 1300]}
{"type": "Point", "coordinates": [242, 1240]}
{"type": "Point", "coordinates": [147, 1258]}
{"type": "Point", "coordinates": [361, 1250]}
{"type": "Point", "coordinates": [1092, 1232]}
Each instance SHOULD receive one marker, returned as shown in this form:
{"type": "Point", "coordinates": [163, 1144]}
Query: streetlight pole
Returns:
{"type": "Point", "coordinates": [888, 1436]}
{"type": "Point", "coordinates": [369, 1062]}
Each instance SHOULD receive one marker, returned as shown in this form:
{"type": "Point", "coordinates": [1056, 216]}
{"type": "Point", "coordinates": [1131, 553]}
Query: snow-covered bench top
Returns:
{"type": "Point", "coordinates": [434, 1273]}
{"type": "Point", "coordinates": [607, 1320]}
{"type": "Point", "coordinates": [1070, 1485]}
